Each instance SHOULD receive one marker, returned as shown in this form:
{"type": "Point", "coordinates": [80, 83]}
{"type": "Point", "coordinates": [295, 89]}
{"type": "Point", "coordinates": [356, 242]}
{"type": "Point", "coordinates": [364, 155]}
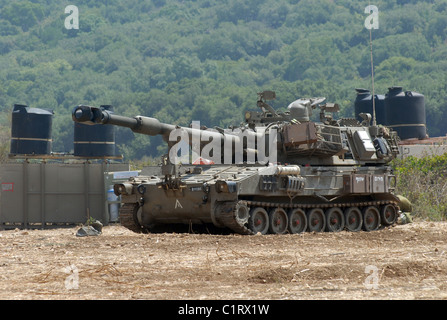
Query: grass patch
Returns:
{"type": "Point", "coordinates": [424, 182]}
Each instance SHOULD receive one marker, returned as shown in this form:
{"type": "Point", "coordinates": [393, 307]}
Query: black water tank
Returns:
{"type": "Point", "coordinates": [31, 130]}
{"type": "Point", "coordinates": [364, 103]}
{"type": "Point", "coordinates": [405, 113]}
{"type": "Point", "coordinates": [94, 140]}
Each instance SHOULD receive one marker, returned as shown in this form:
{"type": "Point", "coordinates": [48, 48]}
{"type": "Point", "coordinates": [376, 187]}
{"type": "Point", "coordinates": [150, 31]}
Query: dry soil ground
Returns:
{"type": "Point", "coordinates": [403, 262]}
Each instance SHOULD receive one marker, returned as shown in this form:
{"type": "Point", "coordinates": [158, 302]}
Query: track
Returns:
{"type": "Point", "coordinates": [320, 205]}
{"type": "Point", "coordinates": [128, 217]}
{"type": "Point", "coordinates": [229, 214]}
{"type": "Point", "coordinates": [240, 219]}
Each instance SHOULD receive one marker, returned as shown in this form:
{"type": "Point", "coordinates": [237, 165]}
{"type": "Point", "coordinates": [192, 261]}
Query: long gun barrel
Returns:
{"type": "Point", "coordinates": [139, 124]}
{"type": "Point", "coordinates": [234, 140]}
{"type": "Point", "coordinates": [144, 125]}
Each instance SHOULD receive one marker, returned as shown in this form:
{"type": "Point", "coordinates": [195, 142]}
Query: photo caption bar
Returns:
{"type": "Point", "coordinates": [225, 310]}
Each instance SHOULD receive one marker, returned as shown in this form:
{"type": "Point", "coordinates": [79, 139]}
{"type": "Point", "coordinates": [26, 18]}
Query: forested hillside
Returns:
{"type": "Point", "coordinates": [184, 60]}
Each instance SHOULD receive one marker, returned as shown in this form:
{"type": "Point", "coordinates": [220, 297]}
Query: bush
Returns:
{"type": "Point", "coordinates": [424, 182]}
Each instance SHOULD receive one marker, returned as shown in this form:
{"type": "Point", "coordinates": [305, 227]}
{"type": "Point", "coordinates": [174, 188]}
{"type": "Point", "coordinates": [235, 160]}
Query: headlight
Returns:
{"type": "Point", "coordinates": [141, 189]}
{"type": "Point", "coordinates": [226, 186]}
{"type": "Point", "coordinates": [122, 189]}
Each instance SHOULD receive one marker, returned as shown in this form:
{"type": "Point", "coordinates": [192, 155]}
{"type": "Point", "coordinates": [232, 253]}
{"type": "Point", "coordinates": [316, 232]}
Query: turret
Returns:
{"type": "Point", "coordinates": [267, 136]}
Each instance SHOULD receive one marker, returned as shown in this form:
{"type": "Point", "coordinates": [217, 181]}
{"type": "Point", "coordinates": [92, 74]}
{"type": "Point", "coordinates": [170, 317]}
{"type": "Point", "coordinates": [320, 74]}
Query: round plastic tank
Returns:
{"type": "Point", "coordinates": [94, 140]}
{"type": "Point", "coordinates": [113, 207]}
{"type": "Point", "coordinates": [364, 104]}
{"type": "Point", "coordinates": [31, 130]}
{"type": "Point", "coordinates": [405, 113]}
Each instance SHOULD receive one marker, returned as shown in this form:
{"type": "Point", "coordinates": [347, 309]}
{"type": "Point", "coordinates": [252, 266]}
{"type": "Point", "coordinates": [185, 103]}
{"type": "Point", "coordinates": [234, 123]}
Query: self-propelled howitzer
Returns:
{"type": "Point", "coordinates": [277, 172]}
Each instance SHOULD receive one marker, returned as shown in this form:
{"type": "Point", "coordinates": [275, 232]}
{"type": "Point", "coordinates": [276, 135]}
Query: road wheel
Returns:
{"type": "Point", "coordinates": [389, 215]}
{"type": "Point", "coordinates": [278, 221]}
{"type": "Point", "coordinates": [258, 220]}
{"type": "Point", "coordinates": [316, 220]}
{"type": "Point", "coordinates": [297, 221]}
{"type": "Point", "coordinates": [335, 220]}
{"type": "Point", "coordinates": [371, 218]}
{"type": "Point", "coordinates": [353, 219]}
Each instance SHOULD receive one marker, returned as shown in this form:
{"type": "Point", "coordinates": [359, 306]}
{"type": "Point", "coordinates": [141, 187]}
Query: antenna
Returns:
{"type": "Point", "coordinates": [374, 123]}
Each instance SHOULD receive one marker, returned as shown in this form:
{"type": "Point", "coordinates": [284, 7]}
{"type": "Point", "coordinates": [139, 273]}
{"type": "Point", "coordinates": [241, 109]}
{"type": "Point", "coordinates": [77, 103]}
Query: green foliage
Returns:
{"type": "Point", "coordinates": [5, 136]}
{"type": "Point", "coordinates": [25, 14]}
{"type": "Point", "coordinates": [424, 182]}
{"type": "Point", "coordinates": [435, 165]}
{"type": "Point", "coordinates": [205, 60]}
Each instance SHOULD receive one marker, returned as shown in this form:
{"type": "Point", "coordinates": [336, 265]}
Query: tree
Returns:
{"type": "Point", "coordinates": [24, 14]}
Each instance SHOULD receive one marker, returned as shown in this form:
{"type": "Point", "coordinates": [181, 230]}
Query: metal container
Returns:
{"type": "Point", "coordinates": [94, 141]}
{"type": "Point", "coordinates": [46, 194]}
{"type": "Point", "coordinates": [405, 113]}
{"type": "Point", "coordinates": [364, 104]}
{"type": "Point", "coordinates": [31, 130]}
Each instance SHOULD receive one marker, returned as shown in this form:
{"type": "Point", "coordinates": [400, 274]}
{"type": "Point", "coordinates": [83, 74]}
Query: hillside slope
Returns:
{"type": "Point", "coordinates": [205, 60]}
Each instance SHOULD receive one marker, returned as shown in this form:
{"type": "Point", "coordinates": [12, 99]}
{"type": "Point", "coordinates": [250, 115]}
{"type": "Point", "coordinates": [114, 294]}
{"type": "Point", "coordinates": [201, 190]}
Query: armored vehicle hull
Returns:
{"type": "Point", "coordinates": [264, 199]}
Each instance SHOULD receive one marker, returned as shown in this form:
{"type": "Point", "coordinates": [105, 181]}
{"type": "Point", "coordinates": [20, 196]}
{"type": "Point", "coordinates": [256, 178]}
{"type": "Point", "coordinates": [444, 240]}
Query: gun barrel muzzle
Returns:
{"type": "Point", "coordinates": [87, 114]}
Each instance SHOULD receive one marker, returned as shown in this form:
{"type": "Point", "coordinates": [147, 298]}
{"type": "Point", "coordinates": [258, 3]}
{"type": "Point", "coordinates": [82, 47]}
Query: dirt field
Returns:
{"type": "Point", "coordinates": [403, 262]}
